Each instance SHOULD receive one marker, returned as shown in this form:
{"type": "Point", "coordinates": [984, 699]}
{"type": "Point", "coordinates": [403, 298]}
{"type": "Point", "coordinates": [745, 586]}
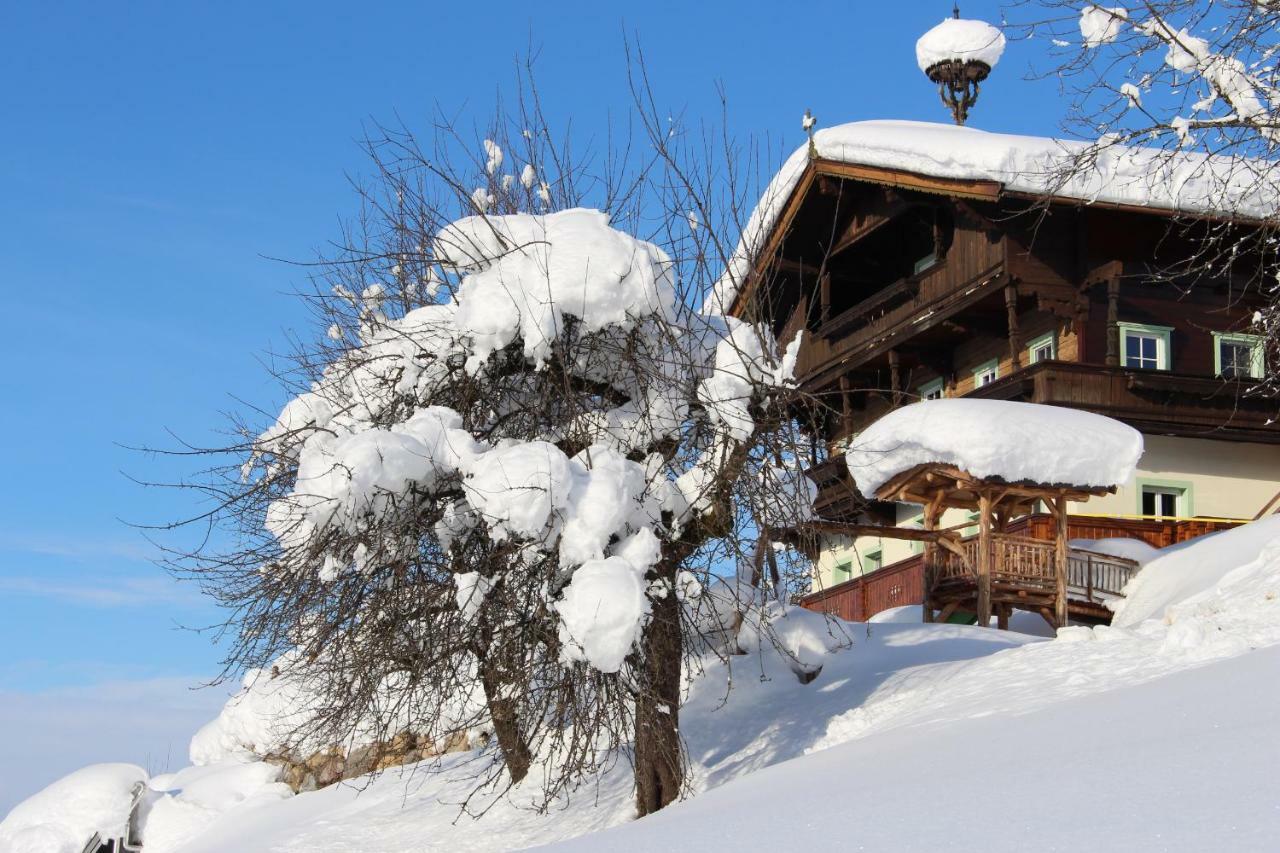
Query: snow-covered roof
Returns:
{"type": "Point", "coordinates": [962, 39]}
{"type": "Point", "coordinates": [1011, 441]}
{"type": "Point", "coordinates": [1031, 165]}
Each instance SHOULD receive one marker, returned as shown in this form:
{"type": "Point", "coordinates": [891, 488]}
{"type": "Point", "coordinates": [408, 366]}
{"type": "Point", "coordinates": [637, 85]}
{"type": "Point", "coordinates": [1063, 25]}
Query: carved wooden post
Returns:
{"type": "Point", "coordinates": [1015, 337]}
{"type": "Point", "coordinates": [846, 408]}
{"type": "Point", "coordinates": [895, 377]}
{"type": "Point", "coordinates": [985, 555]}
{"type": "Point", "coordinates": [824, 294]}
{"type": "Point", "coordinates": [1061, 557]}
{"type": "Point", "coordinates": [1113, 321]}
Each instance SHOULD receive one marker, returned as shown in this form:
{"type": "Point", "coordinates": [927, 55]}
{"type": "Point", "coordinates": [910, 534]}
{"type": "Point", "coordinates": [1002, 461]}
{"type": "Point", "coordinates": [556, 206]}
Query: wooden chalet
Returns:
{"type": "Point", "coordinates": [908, 286]}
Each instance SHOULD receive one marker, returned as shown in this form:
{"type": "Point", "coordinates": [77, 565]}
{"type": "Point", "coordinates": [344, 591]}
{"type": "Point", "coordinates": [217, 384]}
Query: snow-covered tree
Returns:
{"type": "Point", "coordinates": [1197, 81]}
{"type": "Point", "coordinates": [521, 468]}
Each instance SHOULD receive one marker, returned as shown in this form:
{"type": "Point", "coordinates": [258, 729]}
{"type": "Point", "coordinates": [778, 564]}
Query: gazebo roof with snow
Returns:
{"type": "Point", "coordinates": [953, 451]}
{"type": "Point", "coordinates": [1000, 458]}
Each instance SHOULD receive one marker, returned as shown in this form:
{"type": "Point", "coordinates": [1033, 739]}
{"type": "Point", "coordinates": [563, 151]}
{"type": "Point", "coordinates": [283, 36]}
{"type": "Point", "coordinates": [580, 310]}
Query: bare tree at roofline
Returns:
{"type": "Point", "coordinates": [387, 548]}
{"type": "Point", "coordinates": [1192, 79]}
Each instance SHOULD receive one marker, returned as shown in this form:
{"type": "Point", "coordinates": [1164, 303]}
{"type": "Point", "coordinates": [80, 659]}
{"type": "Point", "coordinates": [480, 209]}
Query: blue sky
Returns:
{"type": "Point", "coordinates": [156, 154]}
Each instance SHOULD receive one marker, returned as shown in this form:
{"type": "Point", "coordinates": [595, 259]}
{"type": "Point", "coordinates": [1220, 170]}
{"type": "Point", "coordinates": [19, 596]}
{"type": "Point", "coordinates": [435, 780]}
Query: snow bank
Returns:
{"type": "Point", "coordinates": [1145, 177]}
{"type": "Point", "coordinates": [181, 805]}
{"type": "Point", "coordinates": [65, 815]}
{"type": "Point", "coordinates": [996, 438]}
{"type": "Point", "coordinates": [1185, 572]}
{"type": "Point", "coordinates": [1119, 546]}
{"type": "Point", "coordinates": [962, 39]}
{"type": "Point", "coordinates": [905, 706]}
{"type": "Point", "coordinates": [1020, 621]}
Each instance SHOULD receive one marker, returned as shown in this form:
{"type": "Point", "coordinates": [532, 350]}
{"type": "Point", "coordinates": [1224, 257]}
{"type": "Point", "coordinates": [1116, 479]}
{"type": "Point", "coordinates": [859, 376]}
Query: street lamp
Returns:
{"type": "Point", "coordinates": [958, 55]}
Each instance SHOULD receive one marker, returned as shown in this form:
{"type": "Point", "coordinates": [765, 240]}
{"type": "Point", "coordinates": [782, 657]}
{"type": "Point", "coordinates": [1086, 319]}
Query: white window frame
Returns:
{"type": "Point", "coordinates": [991, 367]}
{"type": "Point", "coordinates": [1049, 339]}
{"type": "Point", "coordinates": [935, 387]}
{"type": "Point", "coordinates": [1254, 342]}
{"type": "Point", "coordinates": [1163, 336]}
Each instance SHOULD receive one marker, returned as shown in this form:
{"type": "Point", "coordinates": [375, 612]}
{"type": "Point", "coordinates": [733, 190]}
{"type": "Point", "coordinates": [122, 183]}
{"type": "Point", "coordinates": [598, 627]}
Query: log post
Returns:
{"type": "Point", "coordinates": [1061, 556]}
{"type": "Point", "coordinates": [985, 555]}
{"type": "Point", "coordinates": [1015, 337]}
{"type": "Point", "coordinates": [932, 512]}
{"type": "Point", "coordinates": [824, 294]}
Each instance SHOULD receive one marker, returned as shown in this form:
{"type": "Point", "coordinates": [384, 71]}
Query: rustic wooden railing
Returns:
{"type": "Point", "coordinates": [1030, 564]}
{"type": "Point", "coordinates": [1096, 577]}
{"type": "Point", "coordinates": [1091, 576]}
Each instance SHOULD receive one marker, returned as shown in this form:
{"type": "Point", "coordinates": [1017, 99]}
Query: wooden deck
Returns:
{"type": "Point", "coordinates": [1023, 577]}
{"type": "Point", "coordinates": [1092, 578]}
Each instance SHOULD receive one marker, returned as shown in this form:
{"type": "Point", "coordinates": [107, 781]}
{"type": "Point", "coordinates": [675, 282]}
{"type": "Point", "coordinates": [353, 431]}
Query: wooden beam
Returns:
{"type": "Point", "coordinates": [932, 512]}
{"type": "Point", "coordinates": [986, 190]}
{"type": "Point", "coordinates": [985, 556]}
{"type": "Point", "coordinates": [1060, 560]}
{"type": "Point", "coordinates": [884, 531]}
{"type": "Point", "coordinates": [1011, 312]}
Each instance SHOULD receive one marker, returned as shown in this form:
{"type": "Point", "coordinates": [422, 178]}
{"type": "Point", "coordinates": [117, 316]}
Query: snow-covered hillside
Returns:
{"type": "Point", "coordinates": [1156, 734]}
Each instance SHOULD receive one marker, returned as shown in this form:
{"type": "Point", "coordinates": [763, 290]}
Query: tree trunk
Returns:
{"type": "Point", "coordinates": [505, 716]}
{"type": "Point", "coordinates": [659, 769]}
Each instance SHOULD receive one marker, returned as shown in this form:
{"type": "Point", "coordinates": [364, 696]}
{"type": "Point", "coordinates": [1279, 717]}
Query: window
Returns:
{"type": "Point", "coordinates": [931, 390]}
{"type": "Point", "coordinates": [916, 522]}
{"type": "Point", "coordinates": [1165, 499]}
{"type": "Point", "coordinates": [1237, 356]}
{"type": "Point", "coordinates": [1144, 347]}
{"type": "Point", "coordinates": [986, 374]}
{"type": "Point", "coordinates": [1043, 348]}
{"type": "Point", "coordinates": [924, 263]}
{"type": "Point", "coordinates": [843, 570]}
{"type": "Point", "coordinates": [972, 517]}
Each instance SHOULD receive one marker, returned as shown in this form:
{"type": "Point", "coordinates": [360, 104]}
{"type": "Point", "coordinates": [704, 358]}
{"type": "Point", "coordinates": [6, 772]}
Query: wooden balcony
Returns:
{"type": "Point", "coordinates": [1151, 400]}
{"type": "Point", "coordinates": [905, 308]}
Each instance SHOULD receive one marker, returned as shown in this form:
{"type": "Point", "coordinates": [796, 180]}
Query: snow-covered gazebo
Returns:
{"type": "Point", "coordinates": [999, 458]}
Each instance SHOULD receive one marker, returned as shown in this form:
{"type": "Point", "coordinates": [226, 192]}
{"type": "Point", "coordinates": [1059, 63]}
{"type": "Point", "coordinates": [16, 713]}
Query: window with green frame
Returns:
{"type": "Point", "coordinates": [916, 522]}
{"type": "Point", "coordinates": [986, 373]}
{"type": "Point", "coordinates": [872, 560]}
{"type": "Point", "coordinates": [1043, 348]}
{"type": "Point", "coordinates": [1237, 356]}
{"type": "Point", "coordinates": [930, 390]}
{"type": "Point", "coordinates": [1146, 347]}
{"type": "Point", "coordinates": [1165, 498]}
{"type": "Point", "coordinates": [843, 570]}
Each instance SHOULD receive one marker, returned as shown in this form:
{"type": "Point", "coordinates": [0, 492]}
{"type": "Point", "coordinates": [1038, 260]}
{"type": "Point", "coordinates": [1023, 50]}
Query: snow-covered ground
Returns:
{"type": "Point", "coordinates": [1156, 734]}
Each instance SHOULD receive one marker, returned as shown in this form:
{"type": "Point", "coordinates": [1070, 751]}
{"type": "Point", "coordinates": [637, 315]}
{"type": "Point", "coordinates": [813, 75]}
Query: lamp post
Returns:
{"type": "Point", "coordinates": [957, 55]}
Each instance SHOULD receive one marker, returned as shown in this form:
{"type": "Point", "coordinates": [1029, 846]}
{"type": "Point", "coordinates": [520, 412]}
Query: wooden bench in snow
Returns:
{"type": "Point", "coordinates": [127, 839]}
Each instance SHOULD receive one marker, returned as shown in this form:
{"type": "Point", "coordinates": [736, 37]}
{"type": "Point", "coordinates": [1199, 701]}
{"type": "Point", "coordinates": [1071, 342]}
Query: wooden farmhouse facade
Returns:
{"type": "Point", "coordinates": [907, 285]}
